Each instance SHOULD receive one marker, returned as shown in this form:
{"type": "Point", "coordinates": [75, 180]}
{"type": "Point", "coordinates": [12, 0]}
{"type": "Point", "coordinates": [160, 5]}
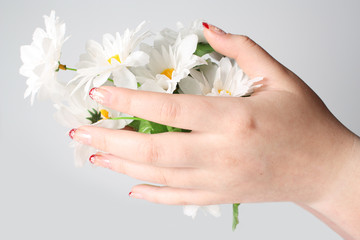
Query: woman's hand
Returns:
{"type": "Point", "coordinates": [280, 144]}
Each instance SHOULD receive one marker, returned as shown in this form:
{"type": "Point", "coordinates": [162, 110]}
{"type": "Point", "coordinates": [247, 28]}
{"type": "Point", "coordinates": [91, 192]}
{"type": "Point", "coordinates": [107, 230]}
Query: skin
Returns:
{"type": "Point", "coordinates": [280, 144]}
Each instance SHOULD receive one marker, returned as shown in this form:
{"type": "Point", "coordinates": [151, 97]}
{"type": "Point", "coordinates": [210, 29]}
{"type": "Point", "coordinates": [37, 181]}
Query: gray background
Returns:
{"type": "Point", "coordinates": [43, 196]}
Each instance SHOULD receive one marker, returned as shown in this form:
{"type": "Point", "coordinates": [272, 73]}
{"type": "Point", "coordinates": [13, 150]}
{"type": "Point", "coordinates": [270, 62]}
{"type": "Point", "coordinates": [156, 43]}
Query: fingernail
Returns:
{"type": "Point", "coordinates": [205, 25]}
{"type": "Point", "coordinates": [100, 160]}
{"type": "Point", "coordinates": [213, 28]}
{"type": "Point", "coordinates": [135, 195]}
{"type": "Point", "coordinates": [72, 133]}
{"type": "Point", "coordinates": [82, 136]}
{"type": "Point", "coordinates": [92, 159]}
{"type": "Point", "coordinates": [99, 95]}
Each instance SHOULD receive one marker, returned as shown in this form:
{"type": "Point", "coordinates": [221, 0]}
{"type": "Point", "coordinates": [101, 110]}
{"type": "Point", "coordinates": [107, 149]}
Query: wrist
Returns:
{"type": "Point", "coordinates": [339, 206]}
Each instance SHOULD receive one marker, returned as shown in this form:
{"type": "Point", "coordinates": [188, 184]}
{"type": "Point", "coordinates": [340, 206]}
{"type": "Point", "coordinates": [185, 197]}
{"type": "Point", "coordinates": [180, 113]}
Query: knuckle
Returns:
{"type": "Point", "coordinates": [126, 102]}
{"type": "Point", "coordinates": [226, 160]}
{"type": "Point", "coordinates": [170, 111]}
{"type": "Point", "coordinates": [119, 166]}
{"type": "Point", "coordinates": [247, 41]}
{"type": "Point", "coordinates": [242, 122]}
{"type": "Point", "coordinates": [162, 177]}
{"type": "Point", "coordinates": [150, 151]}
{"type": "Point", "coordinates": [248, 124]}
{"type": "Point", "coordinates": [102, 143]}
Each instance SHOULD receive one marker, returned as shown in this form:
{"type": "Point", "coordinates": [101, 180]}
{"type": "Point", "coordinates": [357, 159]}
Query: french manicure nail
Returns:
{"type": "Point", "coordinates": [213, 28]}
{"type": "Point", "coordinates": [205, 25]}
{"type": "Point", "coordinates": [92, 159]}
{"type": "Point", "coordinates": [135, 195]}
{"type": "Point", "coordinates": [98, 94]}
{"type": "Point", "coordinates": [72, 133]}
{"type": "Point", "coordinates": [100, 160]}
{"type": "Point", "coordinates": [82, 136]}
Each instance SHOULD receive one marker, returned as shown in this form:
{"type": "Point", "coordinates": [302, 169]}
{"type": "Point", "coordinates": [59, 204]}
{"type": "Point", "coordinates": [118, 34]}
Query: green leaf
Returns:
{"type": "Point", "coordinates": [95, 116]}
{"type": "Point", "coordinates": [135, 125]}
{"type": "Point", "coordinates": [149, 127]}
{"type": "Point", "coordinates": [173, 129]}
{"type": "Point", "coordinates": [145, 126]}
{"type": "Point", "coordinates": [202, 49]}
{"type": "Point", "coordinates": [235, 215]}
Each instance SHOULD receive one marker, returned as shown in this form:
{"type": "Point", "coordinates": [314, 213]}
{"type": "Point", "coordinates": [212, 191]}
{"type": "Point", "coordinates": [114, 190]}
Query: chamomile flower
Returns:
{"type": "Point", "coordinates": [112, 60]}
{"type": "Point", "coordinates": [41, 60]}
{"type": "Point", "coordinates": [168, 36]}
{"type": "Point", "coordinates": [228, 80]}
{"type": "Point", "coordinates": [201, 80]}
{"type": "Point", "coordinates": [168, 66]}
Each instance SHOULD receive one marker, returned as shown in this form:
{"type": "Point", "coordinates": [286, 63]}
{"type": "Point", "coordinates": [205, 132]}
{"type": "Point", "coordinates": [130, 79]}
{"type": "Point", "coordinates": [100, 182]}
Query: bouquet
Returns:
{"type": "Point", "coordinates": [177, 62]}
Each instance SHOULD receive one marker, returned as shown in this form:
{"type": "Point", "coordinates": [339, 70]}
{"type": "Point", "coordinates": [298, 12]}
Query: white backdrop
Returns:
{"type": "Point", "coordinates": [43, 196]}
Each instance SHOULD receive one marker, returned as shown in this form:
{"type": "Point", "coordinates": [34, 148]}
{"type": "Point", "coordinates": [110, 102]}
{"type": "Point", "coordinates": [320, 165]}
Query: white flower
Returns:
{"type": "Point", "coordinates": [111, 59]}
{"type": "Point", "coordinates": [191, 210]}
{"type": "Point", "coordinates": [76, 113]}
{"type": "Point", "coordinates": [168, 36]}
{"type": "Point", "coordinates": [41, 60]}
{"type": "Point", "coordinates": [229, 80]}
{"type": "Point", "coordinates": [168, 66]}
{"type": "Point", "coordinates": [201, 80]}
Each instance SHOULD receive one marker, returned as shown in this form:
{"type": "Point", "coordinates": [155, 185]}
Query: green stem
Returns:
{"type": "Point", "coordinates": [109, 79]}
{"type": "Point", "coordinates": [235, 215]}
{"type": "Point", "coordinates": [71, 69]}
{"type": "Point", "coordinates": [132, 118]}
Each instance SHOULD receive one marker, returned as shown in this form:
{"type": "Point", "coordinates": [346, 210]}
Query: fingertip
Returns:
{"type": "Point", "coordinates": [141, 191]}
{"type": "Point", "coordinates": [213, 29]}
{"type": "Point", "coordinates": [205, 25]}
{"type": "Point", "coordinates": [250, 56]}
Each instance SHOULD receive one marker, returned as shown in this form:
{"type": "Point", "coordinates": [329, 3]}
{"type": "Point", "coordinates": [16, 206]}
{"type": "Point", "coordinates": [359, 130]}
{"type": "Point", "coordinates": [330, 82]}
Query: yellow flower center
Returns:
{"type": "Point", "coordinates": [168, 72]}
{"type": "Point", "coordinates": [62, 67]}
{"type": "Point", "coordinates": [226, 91]}
{"type": "Point", "coordinates": [116, 57]}
{"type": "Point", "coordinates": [104, 113]}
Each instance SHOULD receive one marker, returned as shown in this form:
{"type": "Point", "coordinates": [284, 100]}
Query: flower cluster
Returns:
{"type": "Point", "coordinates": [178, 62]}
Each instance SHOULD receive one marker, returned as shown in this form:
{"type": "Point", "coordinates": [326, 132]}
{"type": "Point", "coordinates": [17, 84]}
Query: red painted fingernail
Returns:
{"type": "Point", "coordinates": [213, 28]}
{"type": "Point", "coordinates": [72, 133]}
{"type": "Point", "coordinates": [99, 95]}
{"type": "Point", "coordinates": [92, 158]}
{"type": "Point", "coordinates": [206, 25]}
{"type": "Point", "coordinates": [135, 195]}
{"type": "Point", "coordinates": [91, 93]}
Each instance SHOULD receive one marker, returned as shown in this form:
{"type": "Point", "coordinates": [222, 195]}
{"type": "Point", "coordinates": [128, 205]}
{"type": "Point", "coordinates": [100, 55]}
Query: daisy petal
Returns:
{"type": "Point", "coordinates": [124, 78]}
{"type": "Point", "coordinates": [136, 59]}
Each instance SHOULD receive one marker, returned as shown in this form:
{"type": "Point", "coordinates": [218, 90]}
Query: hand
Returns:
{"type": "Point", "coordinates": [280, 144]}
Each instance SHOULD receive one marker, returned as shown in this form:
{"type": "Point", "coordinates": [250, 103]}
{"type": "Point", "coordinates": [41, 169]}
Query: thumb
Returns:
{"type": "Point", "coordinates": [252, 58]}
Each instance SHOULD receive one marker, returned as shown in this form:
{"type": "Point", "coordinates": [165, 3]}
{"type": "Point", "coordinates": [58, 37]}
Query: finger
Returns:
{"type": "Point", "coordinates": [177, 110]}
{"type": "Point", "coordinates": [174, 149]}
{"type": "Point", "coordinates": [252, 58]}
{"type": "Point", "coordinates": [174, 177]}
{"type": "Point", "coordinates": [175, 196]}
